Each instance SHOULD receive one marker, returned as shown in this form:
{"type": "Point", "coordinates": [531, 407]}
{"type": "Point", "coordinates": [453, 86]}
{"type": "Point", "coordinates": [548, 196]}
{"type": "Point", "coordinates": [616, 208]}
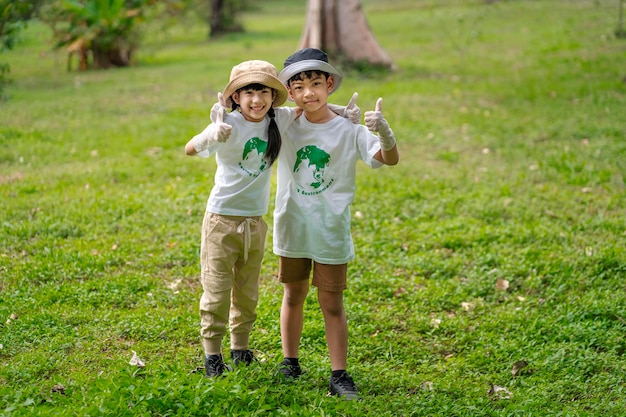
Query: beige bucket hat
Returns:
{"type": "Point", "coordinates": [253, 72]}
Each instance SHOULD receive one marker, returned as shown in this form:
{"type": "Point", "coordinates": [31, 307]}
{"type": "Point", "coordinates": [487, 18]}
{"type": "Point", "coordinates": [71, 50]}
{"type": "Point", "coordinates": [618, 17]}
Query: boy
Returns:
{"type": "Point", "coordinates": [315, 187]}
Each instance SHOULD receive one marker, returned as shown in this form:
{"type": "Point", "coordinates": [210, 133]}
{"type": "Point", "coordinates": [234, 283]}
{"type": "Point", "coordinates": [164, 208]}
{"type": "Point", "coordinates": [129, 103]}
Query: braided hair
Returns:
{"type": "Point", "coordinates": [274, 140]}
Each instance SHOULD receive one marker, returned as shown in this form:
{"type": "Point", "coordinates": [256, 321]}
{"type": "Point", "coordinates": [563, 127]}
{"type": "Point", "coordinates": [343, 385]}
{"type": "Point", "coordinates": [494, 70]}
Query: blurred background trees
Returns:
{"type": "Point", "coordinates": [106, 33]}
{"type": "Point", "coordinates": [13, 17]}
{"type": "Point", "coordinates": [339, 27]}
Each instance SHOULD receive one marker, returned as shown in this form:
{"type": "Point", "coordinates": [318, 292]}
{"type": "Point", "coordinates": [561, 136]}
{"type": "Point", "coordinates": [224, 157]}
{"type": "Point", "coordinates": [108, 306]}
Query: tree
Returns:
{"type": "Point", "coordinates": [222, 16]}
{"type": "Point", "coordinates": [620, 32]}
{"type": "Point", "coordinates": [339, 27]}
{"type": "Point", "coordinates": [102, 33]}
{"type": "Point", "coordinates": [13, 17]}
{"type": "Point", "coordinates": [105, 30]}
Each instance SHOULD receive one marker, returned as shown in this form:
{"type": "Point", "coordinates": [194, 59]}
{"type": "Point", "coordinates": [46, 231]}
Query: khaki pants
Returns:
{"type": "Point", "coordinates": [231, 254]}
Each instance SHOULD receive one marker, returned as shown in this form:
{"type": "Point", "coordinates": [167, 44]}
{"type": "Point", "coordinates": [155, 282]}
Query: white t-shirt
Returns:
{"type": "Point", "coordinates": [242, 179]}
{"type": "Point", "coordinates": [316, 184]}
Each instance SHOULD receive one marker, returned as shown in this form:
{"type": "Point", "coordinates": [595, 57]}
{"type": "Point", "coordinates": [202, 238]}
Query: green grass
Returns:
{"type": "Point", "coordinates": [510, 123]}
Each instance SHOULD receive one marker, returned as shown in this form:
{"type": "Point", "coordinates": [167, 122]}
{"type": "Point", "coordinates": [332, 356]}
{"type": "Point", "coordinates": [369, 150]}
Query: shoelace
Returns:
{"type": "Point", "coordinates": [244, 227]}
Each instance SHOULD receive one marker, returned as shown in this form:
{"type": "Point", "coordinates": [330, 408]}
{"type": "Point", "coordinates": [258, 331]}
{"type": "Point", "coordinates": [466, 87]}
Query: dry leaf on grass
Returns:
{"type": "Point", "coordinates": [135, 361]}
{"type": "Point", "coordinates": [518, 366]}
{"type": "Point", "coordinates": [502, 284]}
{"type": "Point", "coordinates": [500, 393]}
{"type": "Point", "coordinates": [58, 389]}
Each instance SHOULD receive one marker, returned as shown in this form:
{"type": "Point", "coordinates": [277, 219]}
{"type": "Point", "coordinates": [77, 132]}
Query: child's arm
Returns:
{"type": "Point", "coordinates": [375, 122]}
{"type": "Point", "coordinates": [215, 132]}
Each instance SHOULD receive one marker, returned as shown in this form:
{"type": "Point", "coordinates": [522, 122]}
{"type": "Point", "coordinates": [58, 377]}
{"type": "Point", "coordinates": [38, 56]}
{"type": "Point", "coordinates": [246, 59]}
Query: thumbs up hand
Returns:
{"type": "Point", "coordinates": [222, 130]}
{"type": "Point", "coordinates": [375, 122]}
{"type": "Point", "coordinates": [221, 103]}
{"type": "Point", "coordinates": [217, 131]}
{"type": "Point", "coordinates": [352, 111]}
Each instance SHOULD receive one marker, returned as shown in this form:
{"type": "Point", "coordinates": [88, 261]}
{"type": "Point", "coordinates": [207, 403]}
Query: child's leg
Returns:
{"type": "Point", "coordinates": [217, 281]}
{"type": "Point", "coordinates": [336, 325]}
{"type": "Point", "coordinates": [330, 281]}
{"type": "Point", "coordinates": [245, 292]}
{"type": "Point", "coordinates": [292, 316]}
{"type": "Point", "coordinates": [294, 274]}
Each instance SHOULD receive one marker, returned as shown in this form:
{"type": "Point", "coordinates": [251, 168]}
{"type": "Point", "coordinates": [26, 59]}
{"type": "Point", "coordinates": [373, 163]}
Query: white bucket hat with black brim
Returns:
{"type": "Point", "coordinates": [309, 59]}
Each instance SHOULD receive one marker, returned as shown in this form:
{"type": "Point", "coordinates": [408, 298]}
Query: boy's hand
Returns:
{"type": "Point", "coordinates": [375, 122]}
{"type": "Point", "coordinates": [352, 111]}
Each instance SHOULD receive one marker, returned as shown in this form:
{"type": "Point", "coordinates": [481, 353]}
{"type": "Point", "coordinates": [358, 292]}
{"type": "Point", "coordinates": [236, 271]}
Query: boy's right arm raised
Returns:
{"type": "Point", "coordinates": [375, 122]}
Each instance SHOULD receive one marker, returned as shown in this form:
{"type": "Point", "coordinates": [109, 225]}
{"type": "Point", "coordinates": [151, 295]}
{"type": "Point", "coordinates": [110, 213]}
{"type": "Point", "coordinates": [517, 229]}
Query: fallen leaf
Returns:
{"type": "Point", "coordinates": [135, 361]}
{"type": "Point", "coordinates": [499, 392]}
{"type": "Point", "coordinates": [174, 285]}
{"type": "Point", "coordinates": [427, 386]}
{"type": "Point", "coordinates": [58, 388]}
{"type": "Point", "coordinates": [399, 292]}
{"type": "Point", "coordinates": [502, 284]}
{"type": "Point", "coordinates": [518, 366]}
{"type": "Point", "coordinates": [467, 306]}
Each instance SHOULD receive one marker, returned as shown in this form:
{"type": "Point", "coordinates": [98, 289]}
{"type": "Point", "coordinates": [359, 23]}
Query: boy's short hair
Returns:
{"type": "Point", "coordinates": [301, 76]}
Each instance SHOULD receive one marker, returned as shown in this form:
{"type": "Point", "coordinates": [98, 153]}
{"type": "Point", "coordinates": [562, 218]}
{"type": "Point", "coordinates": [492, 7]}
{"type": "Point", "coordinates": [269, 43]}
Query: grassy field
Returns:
{"type": "Point", "coordinates": [491, 262]}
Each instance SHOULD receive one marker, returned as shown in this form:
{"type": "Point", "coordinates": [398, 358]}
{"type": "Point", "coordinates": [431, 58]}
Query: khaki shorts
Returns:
{"type": "Point", "coordinates": [325, 277]}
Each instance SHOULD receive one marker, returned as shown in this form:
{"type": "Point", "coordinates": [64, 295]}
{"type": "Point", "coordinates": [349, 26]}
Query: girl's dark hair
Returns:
{"type": "Point", "coordinates": [274, 140]}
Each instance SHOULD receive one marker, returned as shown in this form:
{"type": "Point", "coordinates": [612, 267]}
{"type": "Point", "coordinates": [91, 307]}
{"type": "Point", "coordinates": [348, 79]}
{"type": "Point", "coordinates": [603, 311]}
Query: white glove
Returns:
{"type": "Point", "coordinates": [351, 111]}
{"type": "Point", "coordinates": [220, 103]}
{"type": "Point", "coordinates": [375, 122]}
{"type": "Point", "coordinates": [218, 131]}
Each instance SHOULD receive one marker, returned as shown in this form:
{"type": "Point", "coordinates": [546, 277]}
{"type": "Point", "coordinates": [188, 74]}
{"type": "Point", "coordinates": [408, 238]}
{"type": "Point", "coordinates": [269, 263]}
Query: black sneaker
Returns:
{"type": "Point", "coordinates": [214, 366]}
{"type": "Point", "coordinates": [343, 386]}
{"type": "Point", "coordinates": [242, 356]}
{"type": "Point", "coordinates": [288, 370]}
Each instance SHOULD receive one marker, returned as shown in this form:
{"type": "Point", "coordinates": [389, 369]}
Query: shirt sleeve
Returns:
{"type": "Point", "coordinates": [368, 146]}
{"type": "Point", "coordinates": [284, 117]}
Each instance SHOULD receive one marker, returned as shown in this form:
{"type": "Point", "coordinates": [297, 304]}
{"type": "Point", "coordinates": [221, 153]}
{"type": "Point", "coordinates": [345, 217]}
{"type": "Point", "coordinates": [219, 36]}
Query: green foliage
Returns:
{"type": "Point", "coordinates": [13, 17]}
{"type": "Point", "coordinates": [497, 241]}
{"type": "Point", "coordinates": [107, 28]}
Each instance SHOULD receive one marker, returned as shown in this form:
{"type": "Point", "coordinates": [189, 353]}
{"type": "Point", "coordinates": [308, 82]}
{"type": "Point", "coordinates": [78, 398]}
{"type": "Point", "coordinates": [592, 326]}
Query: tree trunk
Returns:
{"type": "Point", "coordinates": [339, 27]}
{"type": "Point", "coordinates": [111, 57]}
{"type": "Point", "coordinates": [215, 25]}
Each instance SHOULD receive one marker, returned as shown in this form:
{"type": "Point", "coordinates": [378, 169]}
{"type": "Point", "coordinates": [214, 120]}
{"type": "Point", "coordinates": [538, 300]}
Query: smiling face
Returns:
{"type": "Point", "coordinates": [310, 90]}
{"type": "Point", "coordinates": [254, 101]}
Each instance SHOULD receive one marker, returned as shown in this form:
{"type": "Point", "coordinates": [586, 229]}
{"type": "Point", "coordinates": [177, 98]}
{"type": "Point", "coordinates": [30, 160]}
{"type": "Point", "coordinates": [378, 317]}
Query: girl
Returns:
{"type": "Point", "coordinates": [245, 143]}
